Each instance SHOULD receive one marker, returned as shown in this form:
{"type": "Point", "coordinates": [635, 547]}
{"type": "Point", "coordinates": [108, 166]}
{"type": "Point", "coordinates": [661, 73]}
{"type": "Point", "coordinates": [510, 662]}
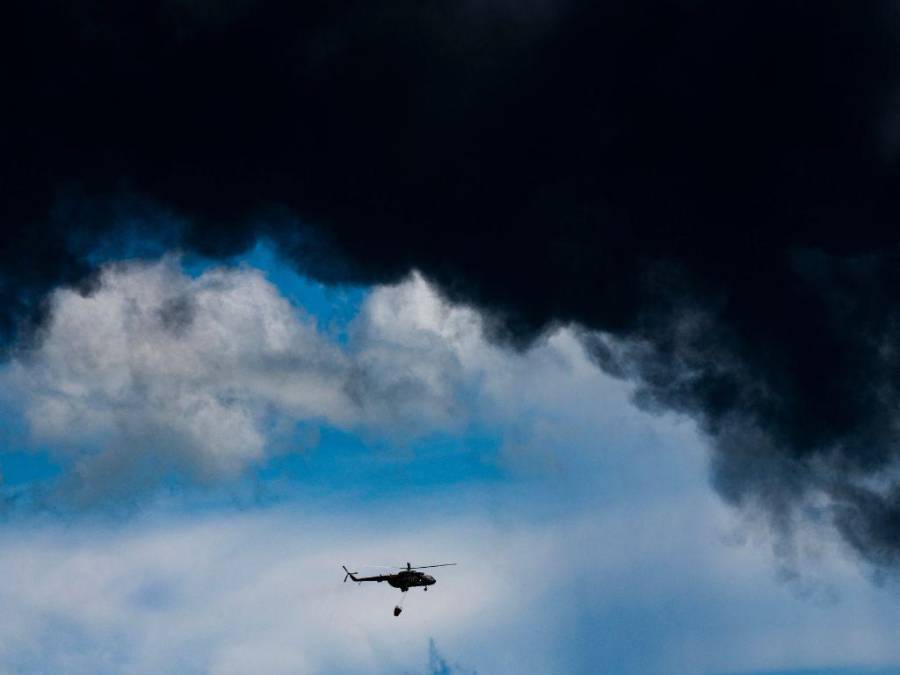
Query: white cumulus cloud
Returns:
{"type": "Point", "coordinates": [159, 373]}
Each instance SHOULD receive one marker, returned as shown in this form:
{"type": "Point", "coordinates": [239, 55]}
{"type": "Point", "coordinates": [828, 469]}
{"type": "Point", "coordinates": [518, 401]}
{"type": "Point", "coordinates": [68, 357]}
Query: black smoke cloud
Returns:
{"type": "Point", "coordinates": [710, 189]}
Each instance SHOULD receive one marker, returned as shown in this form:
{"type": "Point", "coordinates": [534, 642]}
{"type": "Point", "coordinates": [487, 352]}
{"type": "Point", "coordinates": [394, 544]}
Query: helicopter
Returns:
{"type": "Point", "coordinates": [405, 579]}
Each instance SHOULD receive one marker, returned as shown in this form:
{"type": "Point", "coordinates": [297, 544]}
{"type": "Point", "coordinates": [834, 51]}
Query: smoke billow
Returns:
{"type": "Point", "coordinates": [710, 189]}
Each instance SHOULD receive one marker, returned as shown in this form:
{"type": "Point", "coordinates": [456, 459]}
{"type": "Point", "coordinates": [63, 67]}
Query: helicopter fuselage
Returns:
{"type": "Point", "coordinates": [404, 580]}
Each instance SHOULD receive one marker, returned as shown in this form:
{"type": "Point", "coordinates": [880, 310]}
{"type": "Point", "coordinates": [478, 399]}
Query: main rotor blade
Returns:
{"type": "Point", "coordinates": [403, 567]}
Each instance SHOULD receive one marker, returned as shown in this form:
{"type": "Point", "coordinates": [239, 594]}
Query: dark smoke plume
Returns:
{"type": "Point", "coordinates": [709, 188]}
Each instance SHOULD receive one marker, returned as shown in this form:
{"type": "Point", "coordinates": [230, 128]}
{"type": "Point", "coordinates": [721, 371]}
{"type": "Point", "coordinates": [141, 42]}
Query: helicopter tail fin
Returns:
{"type": "Point", "coordinates": [349, 574]}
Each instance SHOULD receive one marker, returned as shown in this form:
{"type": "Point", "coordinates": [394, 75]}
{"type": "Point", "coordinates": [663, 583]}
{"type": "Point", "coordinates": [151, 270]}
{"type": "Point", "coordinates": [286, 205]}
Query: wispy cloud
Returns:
{"type": "Point", "coordinates": [627, 589]}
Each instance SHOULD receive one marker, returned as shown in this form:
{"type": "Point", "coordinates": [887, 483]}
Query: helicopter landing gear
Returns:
{"type": "Point", "coordinates": [425, 589]}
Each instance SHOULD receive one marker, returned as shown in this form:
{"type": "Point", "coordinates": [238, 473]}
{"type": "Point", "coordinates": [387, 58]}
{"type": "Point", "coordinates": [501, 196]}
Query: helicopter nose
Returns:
{"type": "Point", "coordinates": [430, 580]}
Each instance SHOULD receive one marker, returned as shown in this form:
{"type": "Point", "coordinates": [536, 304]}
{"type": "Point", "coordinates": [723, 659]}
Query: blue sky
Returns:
{"type": "Point", "coordinates": [196, 448]}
